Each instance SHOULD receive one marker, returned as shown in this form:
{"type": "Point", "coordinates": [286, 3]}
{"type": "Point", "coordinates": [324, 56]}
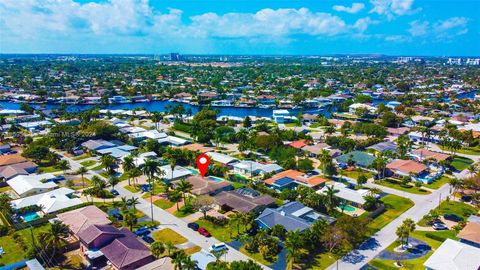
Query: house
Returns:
{"type": "Point", "coordinates": [470, 234]}
{"type": "Point", "coordinates": [222, 158]}
{"type": "Point", "coordinates": [298, 144]}
{"type": "Point", "coordinates": [119, 246]}
{"type": "Point", "coordinates": [309, 118]}
{"type": "Point", "coordinates": [316, 149]}
{"type": "Point", "coordinates": [207, 186]}
{"type": "Point", "coordinates": [266, 99]}
{"type": "Point", "coordinates": [50, 202]}
{"type": "Point", "coordinates": [419, 137]}
{"type": "Point", "coordinates": [173, 141]}
{"type": "Point", "coordinates": [292, 216]}
{"type": "Point", "coordinates": [243, 200]}
{"type": "Point", "coordinates": [6, 160]}
{"type": "Point", "coordinates": [24, 168]}
{"type": "Point", "coordinates": [177, 173]}
{"type": "Point", "coordinates": [383, 147]}
{"type": "Point", "coordinates": [355, 197]}
{"type": "Point", "coordinates": [282, 116]}
{"type": "Point", "coordinates": [96, 145]}
{"type": "Point", "coordinates": [454, 255]}
{"type": "Point", "coordinates": [358, 158]}
{"type": "Point", "coordinates": [253, 168]}
{"type": "Point", "coordinates": [416, 170]}
{"type": "Point", "coordinates": [118, 152]}
{"type": "Point", "coordinates": [196, 147]}
{"type": "Point", "coordinates": [80, 219]}
{"type": "Point", "coordinates": [423, 154]}
{"type": "Point", "coordinates": [5, 149]}
{"type": "Point", "coordinates": [395, 132]}
{"type": "Point", "coordinates": [164, 263]}
{"type": "Point", "coordinates": [27, 185]}
{"type": "Point", "coordinates": [355, 106]}
{"type": "Point", "coordinates": [292, 178]}
{"type": "Point", "coordinates": [203, 258]}
{"type": "Point", "coordinates": [140, 159]}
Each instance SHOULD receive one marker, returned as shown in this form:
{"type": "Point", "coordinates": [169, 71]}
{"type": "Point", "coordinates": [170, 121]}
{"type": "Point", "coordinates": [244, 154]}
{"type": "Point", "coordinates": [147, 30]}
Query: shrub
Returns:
{"type": "Point", "coordinates": [435, 237]}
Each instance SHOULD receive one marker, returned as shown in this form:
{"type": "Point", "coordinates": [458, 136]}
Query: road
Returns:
{"type": "Point", "coordinates": [168, 220]}
{"type": "Point", "coordinates": [386, 236]}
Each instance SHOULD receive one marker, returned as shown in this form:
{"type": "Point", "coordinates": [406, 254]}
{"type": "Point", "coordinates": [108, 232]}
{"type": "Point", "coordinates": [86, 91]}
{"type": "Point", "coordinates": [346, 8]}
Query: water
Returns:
{"type": "Point", "coordinates": [161, 106]}
{"type": "Point", "coordinates": [27, 217]}
{"type": "Point", "coordinates": [216, 179]}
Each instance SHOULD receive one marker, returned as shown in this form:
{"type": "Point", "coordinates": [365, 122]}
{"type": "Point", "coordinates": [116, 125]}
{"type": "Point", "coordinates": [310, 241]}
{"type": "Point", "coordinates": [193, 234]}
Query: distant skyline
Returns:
{"type": "Point", "coordinates": [270, 27]}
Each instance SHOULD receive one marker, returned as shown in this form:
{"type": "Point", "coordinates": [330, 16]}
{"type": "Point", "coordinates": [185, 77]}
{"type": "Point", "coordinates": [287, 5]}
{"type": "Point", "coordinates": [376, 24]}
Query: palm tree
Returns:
{"type": "Point", "coordinates": [133, 201]}
{"type": "Point", "coordinates": [473, 169]}
{"type": "Point", "coordinates": [63, 165]}
{"type": "Point", "coordinates": [294, 245]}
{"type": "Point", "coordinates": [55, 237]}
{"type": "Point", "coordinates": [128, 165]}
{"type": "Point", "coordinates": [151, 168]}
{"type": "Point", "coordinates": [178, 259]}
{"type": "Point", "coordinates": [170, 248]}
{"type": "Point", "coordinates": [175, 196]}
{"type": "Point", "coordinates": [455, 184]}
{"type": "Point", "coordinates": [134, 174]}
{"type": "Point", "coordinates": [189, 264]}
{"type": "Point", "coordinates": [157, 249]}
{"type": "Point", "coordinates": [405, 229]}
{"type": "Point", "coordinates": [108, 163]}
{"type": "Point", "coordinates": [124, 204]}
{"type": "Point", "coordinates": [325, 160]}
{"type": "Point", "coordinates": [218, 253]}
{"type": "Point", "coordinates": [331, 199]}
{"type": "Point", "coordinates": [379, 164]}
{"type": "Point", "coordinates": [184, 187]}
{"type": "Point", "coordinates": [236, 218]}
{"type": "Point", "coordinates": [130, 220]}
{"type": "Point", "coordinates": [82, 171]}
{"type": "Point", "coordinates": [172, 162]}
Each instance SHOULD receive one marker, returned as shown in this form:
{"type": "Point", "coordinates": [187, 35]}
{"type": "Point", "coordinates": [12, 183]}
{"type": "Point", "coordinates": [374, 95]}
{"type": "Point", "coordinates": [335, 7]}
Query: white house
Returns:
{"type": "Point", "coordinates": [353, 108]}
{"type": "Point", "coordinates": [248, 168]}
{"type": "Point", "coordinates": [50, 202]}
{"type": "Point", "coordinates": [355, 197]}
{"type": "Point", "coordinates": [222, 158]}
{"type": "Point", "coordinates": [26, 185]}
{"type": "Point", "coordinates": [282, 116]}
{"type": "Point", "coordinates": [454, 255]}
{"type": "Point", "coordinates": [178, 172]}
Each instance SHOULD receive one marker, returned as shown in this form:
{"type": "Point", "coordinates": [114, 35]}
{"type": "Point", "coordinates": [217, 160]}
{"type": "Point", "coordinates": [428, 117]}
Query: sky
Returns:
{"type": "Point", "coordinates": [272, 27]}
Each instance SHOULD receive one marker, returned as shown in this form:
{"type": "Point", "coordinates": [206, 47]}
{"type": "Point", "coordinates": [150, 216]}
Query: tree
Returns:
{"type": "Point", "coordinates": [150, 169]}
{"type": "Point", "coordinates": [184, 187]}
{"type": "Point", "coordinates": [133, 201]}
{"type": "Point", "coordinates": [54, 238]}
{"type": "Point", "coordinates": [294, 245]}
{"type": "Point", "coordinates": [108, 163]}
{"type": "Point", "coordinates": [379, 164]}
{"type": "Point", "coordinates": [63, 165]}
{"type": "Point", "coordinates": [325, 160]}
{"type": "Point", "coordinates": [404, 145]}
{"type": "Point", "coordinates": [305, 165]}
{"type": "Point", "coordinates": [236, 218]}
{"type": "Point", "coordinates": [218, 253]}
{"type": "Point", "coordinates": [361, 180]}
{"type": "Point", "coordinates": [178, 259]}
{"type": "Point", "coordinates": [331, 199]}
{"type": "Point", "coordinates": [203, 204]}
{"type": "Point", "coordinates": [455, 184]}
{"type": "Point", "coordinates": [189, 264]}
{"type": "Point", "coordinates": [279, 231]}
{"type": "Point", "coordinates": [128, 165]}
{"type": "Point", "coordinates": [247, 122]}
{"type": "Point", "coordinates": [175, 196]}
{"type": "Point", "coordinates": [473, 169]}
{"type": "Point", "coordinates": [404, 230]}
{"type": "Point", "coordinates": [113, 181]}
{"type": "Point", "coordinates": [243, 265]}
{"type": "Point", "coordinates": [36, 152]}
{"type": "Point", "coordinates": [130, 220]}
{"type": "Point", "coordinates": [82, 171]}
{"type": "Point", "coordinates": [157, 249]}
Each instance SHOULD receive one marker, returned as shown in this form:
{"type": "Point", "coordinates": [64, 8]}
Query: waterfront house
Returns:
{"type": "Point", "coordinates": [27, 185]}
{"type": "Point", "coordinates": [266, 99]}
{"type": "Point", "coordinates": [292, 216]}
{"type": "Point", "coordinates": [207, 185]}
{"type": "Point", "coordinates": [356, 158]}
{"type": "Point", "coordinates": [454, 255]}
{"type": "Point", "coordinates": [243, 200]}
{"type": "Point", "coordinates": [309, 118]}
{"type": "Point", "coordinates": [119, 246]}
{"type": "Point", "coordinates": [291, 179]}
{"type": "Point", "coordinates": [79, 219]}
{"type": "Point", "coordinates": [355, 106]}
{"type": "Point", "coordinates": [50, 202]}
{"type": "Point", "coordinates": [282, 116]}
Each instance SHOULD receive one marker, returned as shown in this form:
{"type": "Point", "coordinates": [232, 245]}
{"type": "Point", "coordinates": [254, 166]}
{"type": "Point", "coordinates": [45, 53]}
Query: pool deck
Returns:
{"type": "Point", "coordinates": [356, 212]}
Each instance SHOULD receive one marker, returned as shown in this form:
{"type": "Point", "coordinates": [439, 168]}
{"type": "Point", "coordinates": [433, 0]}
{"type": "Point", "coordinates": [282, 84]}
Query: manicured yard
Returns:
{"type": "Point", "coordinates": [191, 250]}
{"type": "Point", "coordinates": [461, 163]}
{"type": "Point", "coordinates": [13, 250]}
{"type": "Point", "coordinates": [163, 203]}
{"type": "Point", "coordinates": [475, 151]}
{"type": "Point", "coordinates": [322, 261]}
{"type": "Point", "coordinates": [392, 183]}
{"type": "Point", "coordinates": [256, 256]}
{"type": "Point", "coordinates": [451, 207]}
{"type": "Point", "coordinates": [133, 189]}
{"type": "Point", "coordinates": [354, 174]}
{"type": "Point", "coordinates": [99, 167]}
{"type": "Point", "coordinates": [438, 183]}
{"type": "Point", "coordinates": [236, 185]}
{"type": "Point", "coordinates": [88, 163]}
{"type": "Point", "coordinates": [82, 157]}
{"type": "Point", "coordinates": [73, 262]}
{"type": "Point", "coordinates": [48, 169]}
{"type": "Point", "coordinates": [224, 233]}
{"type": "Point", "coordinates": [184, 211]}
{"type": "Point", "coordinates": [395, 206]}
{"type": "Point", "coordinates": [169, 236]}
{"type": "Point", "coordinates": [78, 183]}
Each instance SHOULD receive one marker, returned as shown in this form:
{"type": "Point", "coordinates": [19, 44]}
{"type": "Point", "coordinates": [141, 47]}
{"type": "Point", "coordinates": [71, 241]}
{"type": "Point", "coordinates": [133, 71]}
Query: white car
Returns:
{"type": "Point", "coordinates": [218, 247]}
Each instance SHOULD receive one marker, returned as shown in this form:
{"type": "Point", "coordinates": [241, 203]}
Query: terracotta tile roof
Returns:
{"type": "Point", "coordinates": [196, 147]}
{"type": "Point", "coordinates": [407, 166]}
{"type": "Point", "coordinates": [242, 203]}
{"type": "Point", "coordinates": [11, 159]}
{"type": "Point", "coordinates": [298, 144]}
{"type": "Point", "coordinates": [312, 181]}
{"type": "Point", "coordinates": [426, 154]}
{"type": "Point", "coordinates": [471, 232]}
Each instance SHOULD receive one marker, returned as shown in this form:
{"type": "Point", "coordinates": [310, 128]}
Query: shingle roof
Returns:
{"type": "Point", "coordinates": [360, 158]}
{"type": "Point", "coordinates": [11, 159]}
{"type": "Point", "coordinates": [80, 219]}
{"type": "Point", "coordinates": [204, 185]}
{"type": "Point", "coordinates": [241, 203]}
{"type": "Point", "coordinates": [406, 166]}
{"type": "Point", "coordinates": [384, 146]}
{"type": "Point", "coordinates": [471, 232]}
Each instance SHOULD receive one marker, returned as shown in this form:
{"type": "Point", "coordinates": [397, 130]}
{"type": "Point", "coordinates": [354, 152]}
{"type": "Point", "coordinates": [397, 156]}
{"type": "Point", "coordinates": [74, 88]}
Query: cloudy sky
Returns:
{"type": "Point", "coordinates": [395, 27]}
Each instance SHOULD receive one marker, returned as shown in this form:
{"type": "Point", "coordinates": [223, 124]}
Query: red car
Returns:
{"type": "Point", "coordinates": [204, 232]}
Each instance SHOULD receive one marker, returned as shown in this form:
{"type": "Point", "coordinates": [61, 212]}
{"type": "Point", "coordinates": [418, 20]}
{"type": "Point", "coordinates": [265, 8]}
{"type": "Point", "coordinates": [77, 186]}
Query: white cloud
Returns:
{"type": "Point", "coordinates": [418, 28]}
{"type": "Point", "coordinates": [441, 29]}
{"type": "Point", "coordinates": [392, 8]}
{"type": "Point", "coordinates": [363, 23]}
{"type": "Point", "coordinates": [356, 7]}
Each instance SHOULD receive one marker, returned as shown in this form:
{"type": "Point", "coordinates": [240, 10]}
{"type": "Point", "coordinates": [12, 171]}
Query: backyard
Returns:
{"type": "Point", "coordinates": [438, 183]}
{"type": "Point", "coordinates": [16, 250]}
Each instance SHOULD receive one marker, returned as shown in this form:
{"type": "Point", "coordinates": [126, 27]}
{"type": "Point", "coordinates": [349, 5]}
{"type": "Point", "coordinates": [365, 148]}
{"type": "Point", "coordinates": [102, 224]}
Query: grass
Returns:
{"type": "Point", "coordinates": [395, 206]}
{"type": "Point", "coordinates": [356, 173]}
{"type": "Point", "coordinates": [236, 185]}
{"type": "Point", "coordinates": [73, 262]}
{"type": "Point", "coordinates": [78, 183]}
{"type": "Point", "coordinates": [88, 163]}
{"type": "Point", "coordinates": [14, 251]}
{"type": "Point", "coordinates": [322, 261]}
{"type": "Point", "coordinates": [169, 236]}
{"type": "Point", "coordinates": [438, 183]}
{"type": "Point", "coordinates": [5, 189]}
{"type": "Point", "coordinates": [111, 205]}
{"type": "Point", "coordinates": [474, 151]}
{"type": "Point", "coordinates": [224, 233]}
{"type": "Point", "coordinates": [132, 188]}
{"type": "Point", "coordinates": [96, 168]}
{"type": "Point", "coordinates": [164, 204]}
{"type": "Point", "coordinates": [49, 169]}
{"type": "Point", "coordinates": [461, 163]}
{"type": "Point", "coordinates": [392, 183]}
{"type": "Point", "coordinates": [184, 211]}
{"type": "Point", "coordinates": [451, 207]}
{"type": "Point", "coordinates": [191, 250]}
{"type": "Point", "coordinates": [257, 257]}
{"type": "Point", "coordinates": [292, 125]}
{"type": "Point", "coordinates": [84, 156]}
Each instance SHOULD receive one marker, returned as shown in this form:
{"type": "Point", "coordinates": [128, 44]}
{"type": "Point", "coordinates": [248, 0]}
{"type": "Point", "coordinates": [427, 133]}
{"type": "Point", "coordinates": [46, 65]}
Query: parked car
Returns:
{"type": "Point", "coordinates": [218, 247]}
{"type": "Point", "coordinates": [439, 226]}
{"type": "Point", "coordinates": [194, 226]}
{"type": "Point", "coordinates": [204, 232]}
{"type": "Point", "coordinates": [114, 192]}
{"type": "Point", "coordinates": [148, 239]}
{"type": "Point", "coordinates": [466, 198]}
{"type": "Point", "coordinates": [145, 188]}
{"type": "Point", "coordinates": [452, 217]}
{"type": "Point", "coordinates": [142, 231]}
{"type": "Point", "coordinates": [118, 216]}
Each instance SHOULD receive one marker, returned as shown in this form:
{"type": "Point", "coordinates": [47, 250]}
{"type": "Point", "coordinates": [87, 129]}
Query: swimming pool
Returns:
{"type": "Point", "coordinates": [193, 170]}
{"type": "Point", "coordinates": [27, 217]}
{"type": "Point", "coordinates": [216, 179]}
{"type": "Point", "coordinates": [347, 208]}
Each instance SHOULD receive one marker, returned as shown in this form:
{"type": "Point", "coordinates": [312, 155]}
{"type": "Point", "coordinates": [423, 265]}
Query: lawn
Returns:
{"type": "Point", "coordinates": [13, 250]}
{"type": "Point", "coordinates": [48, 169]}
{"type": "Point", "coordinates": [475, 151]}
{"type": "Point", "coordinates": [438, 183]}
{"type": "Point", "coordinates": [82, 157]}
{"type": "Point", "coordinates": [184, 211]}
{"type": "Point", "coordinates": [451, 207]}
{"type": "Point", "coordinates": [5, 189]}
{"type": "Point", "coordinates": [395, 206]}
{"type": "Point", "coordinates": [224, 233]}
{"type": "Point", "coordinates": [88, 163]}
{"type": "Point", "coordinates": [292, 125]}
{"type": "Point", "coordinates": [169, 236]}
{"type": "Point", "coordinates": [461, 163]}
{"type": "Point", "coordinates": [237, 185]}
{"type": "Point", "coordinates": [322, 261]}
{"type": "Point", "coordinates": [99, 167]}
{"type": "Point", "coordinates": [392, 183]}
{"type": "Point", "coordinates": [191, 250]}
{"type": "Point", "coordinates": [73, 262]}
{"type": "Point", "coordinates": [78, 183]}
{"type": "Point", "coordinates": [354, 174]}
{"type": "Point", "coordinates": [164, 204]}
{"type": "Point", "coordinates": [257, 257]}
{"type": "Point", "coordinates": [133, 189]}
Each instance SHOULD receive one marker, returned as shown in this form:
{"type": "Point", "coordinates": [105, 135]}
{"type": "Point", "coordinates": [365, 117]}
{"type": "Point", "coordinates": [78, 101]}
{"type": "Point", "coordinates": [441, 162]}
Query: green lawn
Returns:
{"type": "Point", "coordinates": [99, 167]}
{"type": "Point", "coordinates": [132, 188]}
{"type": "Point", "coordinates": [257, 257]}
{"type": "Point", "coordinates": [78, 183]}
{"type": "Point", "coordinates": [48, 169]}
{"type": "Point", "coordinates": [392, 183]}
{"type": "Point", "coordinates": [451, 207]}
{"type": "Point", "coordinates": [395, 206]}
{"type": "Point", "coordinates": [169, 236]}
{"type": "Point", "coordinates": [292, 125]}
{"type": "Point", "coordinates": [224, 233]}
{"type": "Point", "coordinates": [438, 183]}
{"type": "Point", "coordinates": [322, 261]}
{"type": "Point", "coordinates": [82, 157]}
{"type": "Point", "coordinates": [356, 173]}
{"type": "Point", "coordinates": [88, 163]}
{"type": "Point", "coordinates": [164, 204]}
{"type": "Point", "coordinates": [236, 185]}
{"type": "Point", "coordinates": [13, 250]}
{"type": "Point", "coordinates": [461, 163]}
{"type": "Point", "coordinates": [184, 211]}
{"type": "Point", "coordinates": [475, 151]}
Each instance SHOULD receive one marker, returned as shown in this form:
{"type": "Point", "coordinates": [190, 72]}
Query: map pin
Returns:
{"type": "Point", "coordinates": [202, 164]}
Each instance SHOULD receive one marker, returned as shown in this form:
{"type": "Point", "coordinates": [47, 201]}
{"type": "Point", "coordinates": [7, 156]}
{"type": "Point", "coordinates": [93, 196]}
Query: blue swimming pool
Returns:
{"type": "Point", "coordinates": [193, 170]}
{"type": "Point", "coordinates": [27, 217]}
{"type": "Point", "coordinates": [216, 179]}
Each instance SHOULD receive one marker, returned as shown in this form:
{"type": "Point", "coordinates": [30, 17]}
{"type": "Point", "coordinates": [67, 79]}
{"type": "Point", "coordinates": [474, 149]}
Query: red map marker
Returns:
{"type": "Point", "coordinates": [202, 163]}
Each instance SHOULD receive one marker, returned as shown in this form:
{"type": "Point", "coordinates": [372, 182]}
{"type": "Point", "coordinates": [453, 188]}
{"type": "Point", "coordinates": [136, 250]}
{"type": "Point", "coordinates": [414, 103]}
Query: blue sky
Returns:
{"type": "Point", "coordinates": [394, 27]}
